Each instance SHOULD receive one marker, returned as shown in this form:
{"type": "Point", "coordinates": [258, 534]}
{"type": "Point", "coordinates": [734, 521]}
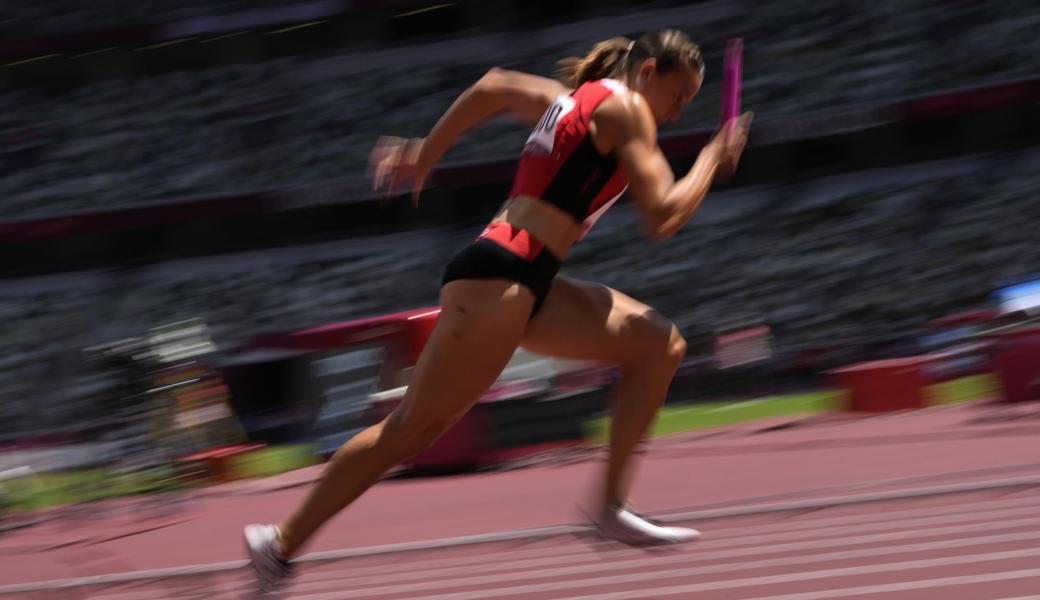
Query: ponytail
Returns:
{"type": "Point", "coordinates": [604, 60]}
{"type": "Point", "coordinates": [672, 49]}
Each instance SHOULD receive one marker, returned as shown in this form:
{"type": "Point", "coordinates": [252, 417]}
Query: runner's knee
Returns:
{"type": "Point", "coordinates": [410, 436]}
{"type": "Point", "coordinates": [654, 344]}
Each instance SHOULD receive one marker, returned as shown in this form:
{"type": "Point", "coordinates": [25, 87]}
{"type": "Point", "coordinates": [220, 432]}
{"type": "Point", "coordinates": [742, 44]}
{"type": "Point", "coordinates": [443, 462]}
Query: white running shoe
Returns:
{"type": "Point", "coordinates": [272, 570]}
{"type": "Point", "coordinates": [629, 527]}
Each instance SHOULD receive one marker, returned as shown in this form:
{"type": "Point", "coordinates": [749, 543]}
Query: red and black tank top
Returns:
{"type": "Point", "coordinates": [560, 164]}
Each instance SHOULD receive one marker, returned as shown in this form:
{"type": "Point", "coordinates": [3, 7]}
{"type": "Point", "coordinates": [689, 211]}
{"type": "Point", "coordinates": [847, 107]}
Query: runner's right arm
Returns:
{"type": "Point", "coordinates": [498, 91]}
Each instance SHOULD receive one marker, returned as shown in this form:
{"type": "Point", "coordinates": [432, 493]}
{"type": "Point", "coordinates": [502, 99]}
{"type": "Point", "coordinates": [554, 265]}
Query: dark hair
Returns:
{"type": "Point", "coordinates": [612, 58]}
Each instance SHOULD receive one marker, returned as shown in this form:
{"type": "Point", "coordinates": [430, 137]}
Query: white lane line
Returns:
{"type": "Point", "coordinates": [224, 567]}
{"type": "Point", "coordinates": [909, 585]}
{"type": "Point", "coordinates": [167, 589]}
{"type": "Point", "coordinates": [844, 500]}
{"type": "Point", "coordinates": [521, 559]}
{"type": "Point", "coordinates": [224, 586]}
{"type": "Point", "coordinates": [654, 562]}
{"type": "Point", "coordinates": [736, 405]}
{"type": "Point", "coordinates": [116, 578]}
{"type": "Point", "coordinates": [687, 516]}
{"type": "Point", "coordinates": [539, 533]}
{"type": "Point", "coordinates": [903, 482]}
{"type": "Point", "coordinates": [338, 580]}
{"type": "Point", "coordinates": [917, 515]}
{"type": "Point", "coordinates": [698, 587]}
{"type": "Point", "coordinates": [817, 529]}
{"type": "Point", "coordinates": [742, 551]}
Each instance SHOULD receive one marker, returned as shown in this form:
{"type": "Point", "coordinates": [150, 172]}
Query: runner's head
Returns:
{"type": "Point", "coordinates": [664, 66]}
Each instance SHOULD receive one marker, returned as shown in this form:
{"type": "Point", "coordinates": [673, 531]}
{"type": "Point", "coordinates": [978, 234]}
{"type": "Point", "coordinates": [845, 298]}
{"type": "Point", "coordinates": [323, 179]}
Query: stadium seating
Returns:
{"type": "Point", "coordinates": [315, 116]}
{"type": "Point", "coordinates": [24, 19]}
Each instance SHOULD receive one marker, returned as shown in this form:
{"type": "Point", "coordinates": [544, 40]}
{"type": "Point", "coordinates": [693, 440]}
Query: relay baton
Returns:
{"type": "Point", "coordinates": [731, 71]}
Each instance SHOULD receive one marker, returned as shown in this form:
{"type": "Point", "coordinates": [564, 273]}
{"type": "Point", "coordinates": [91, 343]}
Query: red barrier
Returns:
{"type": "Point", "coordinates": [402, 335]}
{"type": "Point", "coordinates": [462, 446]}
{"type": "Point", "coordinates": [885, 385]}
{"type": "Point", "coordinates": [217, 461]}
{"type": "Point", "coordinates": [1017, 359]}
{"type": "Point", "coordinates": [465, 445]}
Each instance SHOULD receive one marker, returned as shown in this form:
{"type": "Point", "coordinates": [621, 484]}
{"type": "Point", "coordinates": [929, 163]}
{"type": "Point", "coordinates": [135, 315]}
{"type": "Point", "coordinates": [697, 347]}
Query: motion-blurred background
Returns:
{"type": "Point", "coordinates": [191, 258]}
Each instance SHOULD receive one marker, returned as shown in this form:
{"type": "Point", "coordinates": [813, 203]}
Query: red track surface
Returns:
{"type": "Point", "coordinates": [955, 546]}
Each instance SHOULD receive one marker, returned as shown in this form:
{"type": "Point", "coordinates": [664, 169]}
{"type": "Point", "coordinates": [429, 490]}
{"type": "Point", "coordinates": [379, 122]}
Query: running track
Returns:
{"type": "Point", "coordinates": [935, 504]}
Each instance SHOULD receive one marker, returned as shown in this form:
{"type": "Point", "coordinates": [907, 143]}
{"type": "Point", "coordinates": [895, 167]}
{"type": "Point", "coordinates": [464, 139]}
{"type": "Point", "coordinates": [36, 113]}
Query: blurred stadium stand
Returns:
{"type": "Point", "coordinates": [144, 137]}
{"type": "Point", "coordinates": [816, 260]}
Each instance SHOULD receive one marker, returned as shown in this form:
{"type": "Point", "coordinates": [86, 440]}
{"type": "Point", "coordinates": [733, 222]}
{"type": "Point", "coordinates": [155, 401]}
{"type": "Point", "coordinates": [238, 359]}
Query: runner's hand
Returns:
{"type": "Point", "coordinates": [394, 162]}
{"type": "Point", "coordinates": [729, 142]}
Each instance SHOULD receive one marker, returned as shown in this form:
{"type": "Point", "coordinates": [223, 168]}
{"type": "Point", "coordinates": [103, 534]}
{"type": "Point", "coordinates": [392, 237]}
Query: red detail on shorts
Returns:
{"type": "Point", "coordinates": [514, 239]}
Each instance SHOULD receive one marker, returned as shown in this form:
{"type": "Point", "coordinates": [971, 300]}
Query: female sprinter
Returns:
{"type": "Point", "coordinates": [593, 138]}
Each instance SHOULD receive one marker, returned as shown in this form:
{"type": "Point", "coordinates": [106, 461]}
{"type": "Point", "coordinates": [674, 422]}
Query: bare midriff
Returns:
{"type": "Point", "coordinates": [547, 223]}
